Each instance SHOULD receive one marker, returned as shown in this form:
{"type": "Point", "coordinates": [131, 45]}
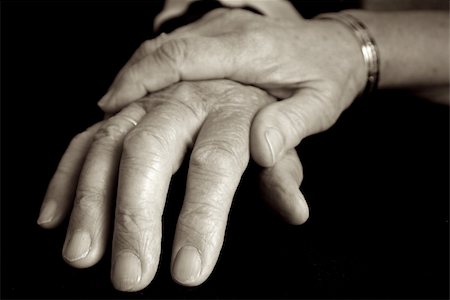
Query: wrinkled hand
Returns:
{"type": "Point", "coordinates": [316, 64]}
{"type": "Point", "coordinates": [134, 154]}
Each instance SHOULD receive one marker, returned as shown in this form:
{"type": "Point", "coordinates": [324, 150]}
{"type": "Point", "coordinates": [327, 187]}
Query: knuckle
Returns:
{"type": "Point", "coordinates": [146, 153]}
{"type": "Point", "coordinates": [183, 93]}
{"type": "Point", "coordinates": [80, 138]}
{"type": "Point", "coordinates": [129, 221]}
{"type": "Point", "coordinates": [198, 212]}
{"type": "Point", "coordinates": [190, 97]}
{"type": "Point", "coordinates": [146, 46]}
{"type": "Point", "coordinates": [173, 51]}
{"type": "Point", "coordinates": [180, 92]}
{"type": "Point", "coordinates": [184, 90]}
{"type": "Point", "coordinates": [218, 156]}
{"type": "Point", "coordinates": [149, 167]}
{"type": "Point", "coordinates": [108, 134]}
{"type": "Point", "coordinates": [142, 139]}
{"type": "Point", "coordinates": [202, 222]}
{"type": "Point", "coordinates": [89, 199]}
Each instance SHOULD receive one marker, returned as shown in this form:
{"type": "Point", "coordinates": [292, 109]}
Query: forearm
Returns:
{"type": "Point", "coordinates": [413, 47]}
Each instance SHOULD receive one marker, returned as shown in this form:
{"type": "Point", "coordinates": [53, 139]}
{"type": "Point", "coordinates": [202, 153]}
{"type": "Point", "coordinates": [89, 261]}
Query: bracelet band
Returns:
{"type": "Point", "coordinates": [368, 46]}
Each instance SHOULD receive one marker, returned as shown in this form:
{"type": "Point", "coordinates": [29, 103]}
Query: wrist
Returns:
{"type": "Point", "coordinates": [368, 53]}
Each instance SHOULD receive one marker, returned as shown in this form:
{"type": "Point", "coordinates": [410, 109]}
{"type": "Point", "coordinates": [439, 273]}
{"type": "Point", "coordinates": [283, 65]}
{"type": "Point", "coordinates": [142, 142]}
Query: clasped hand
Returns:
{"type": "Point", "coordinates": [315, 66]}
{"type": "Point", "coordinates": [138, 149]}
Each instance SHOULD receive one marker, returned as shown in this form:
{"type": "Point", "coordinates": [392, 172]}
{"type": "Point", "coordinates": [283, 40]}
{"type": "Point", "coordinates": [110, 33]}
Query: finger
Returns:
{"type": "Point", "coordinates": [193, 58]}
{"type": "Point", "coordinates": [153, 151]}
{"type": "Point", "coordinates": [280, 188]}
{"type": "Point", "coordinates": [219, 157]}
{"type": "Point", "coordinates": [88, 229]}
{"type": "Point", "coordinates": [61, 190]}
{"type": "Point", "coordinates": [142, 51]}
{"type": "Point", "coordinates": [145, 49]}
{"type": "Point", "coordinates": [149, 46]}
{"type": "Point", "coordinates": [282, 125]}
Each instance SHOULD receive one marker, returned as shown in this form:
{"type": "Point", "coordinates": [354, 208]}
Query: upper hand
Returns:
{"type": "Point", "coordinates": [134, 154]}
{"type": "Point", "coordinates": [315, 64]}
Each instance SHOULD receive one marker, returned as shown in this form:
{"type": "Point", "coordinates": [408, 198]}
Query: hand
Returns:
{"type": "Point", "coordinates": [316, 64]}
{"type": "Point", "coordinates": [137, 150]}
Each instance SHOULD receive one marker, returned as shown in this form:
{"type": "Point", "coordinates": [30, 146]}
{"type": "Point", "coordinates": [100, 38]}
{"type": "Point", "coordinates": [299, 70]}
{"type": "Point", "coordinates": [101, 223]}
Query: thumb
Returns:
{"type": "Point", "coordinates": [282, 125]}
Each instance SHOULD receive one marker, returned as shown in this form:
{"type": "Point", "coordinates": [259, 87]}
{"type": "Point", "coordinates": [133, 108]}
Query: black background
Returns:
{"type": "Point", "coordinates": [377, 183]}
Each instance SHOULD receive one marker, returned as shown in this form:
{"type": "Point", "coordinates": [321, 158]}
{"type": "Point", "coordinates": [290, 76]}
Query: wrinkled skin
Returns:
{"type": "Point", "coordinates": [134, 154]}
{"type": "Point", "coordinates": [316, 66]}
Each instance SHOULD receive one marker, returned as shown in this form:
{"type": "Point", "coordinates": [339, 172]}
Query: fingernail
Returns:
{"type": "Point", "coordinates": [187, 265]}
{"type": "Point", "coordinates": [126, 271]}
{"type": "Point", "coordinates": [274, 141]}
{"type": "Point", "coordinates": [78, 246]}
{"type": "Point", "coordinates": [47, 213]}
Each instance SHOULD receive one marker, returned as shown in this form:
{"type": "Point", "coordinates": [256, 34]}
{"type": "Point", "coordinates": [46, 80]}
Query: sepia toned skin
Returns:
{"type": "Point", "coordinates": [315, 66]}
{"type": "Point", "coordinates": [135, 153]}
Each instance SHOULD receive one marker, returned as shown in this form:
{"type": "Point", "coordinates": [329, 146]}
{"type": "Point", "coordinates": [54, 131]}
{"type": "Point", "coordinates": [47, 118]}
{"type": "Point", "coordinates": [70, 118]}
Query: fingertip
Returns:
{"type": "Point", "coordinates": [48, 215]}
{"type": "Point", "coordinates": [77, 248]}
{"type": "Point", "coordinates": [107, 104]}
{"type": "Point", "coordinates": [82, 249]}
{"type": "Point", "coordinates": [47, 224]}
{"type": "Point", "coordinates": [115, 100]}
{"type": "Point", "coordinates": [126, 272]}
{"type": "Point", "coordinates": [299, 212]}
{"type": "Point", "coordinates": [186, 267]}
{"type": "Point", "coordinates": [105, 98]}
{"type": "Point", "coordinates": [290, 205]}
{"type": "Point", "coordinates": [123, 93]}
{"type": "Point", "coordinates": [280, 185]}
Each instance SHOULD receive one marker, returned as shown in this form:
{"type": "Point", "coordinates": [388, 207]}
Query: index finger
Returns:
{"type": "Point", "coordinates": [185, 58]}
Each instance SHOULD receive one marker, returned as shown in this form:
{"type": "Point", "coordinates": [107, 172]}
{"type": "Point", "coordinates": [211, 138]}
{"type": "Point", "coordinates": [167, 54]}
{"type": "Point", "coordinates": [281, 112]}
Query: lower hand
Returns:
{"type": "Point", "coordinates": [134, 154]}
